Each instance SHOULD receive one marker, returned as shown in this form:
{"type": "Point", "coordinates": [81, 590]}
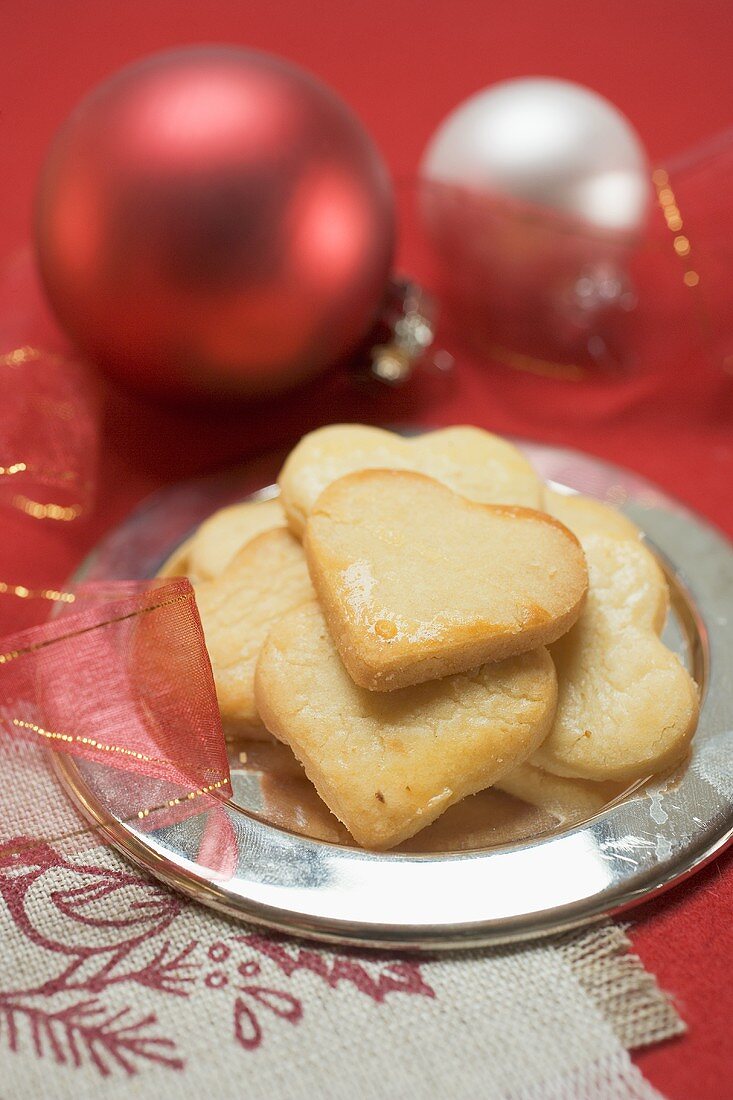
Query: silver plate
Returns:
{"type": "Point", "coordinates": [552, 880]}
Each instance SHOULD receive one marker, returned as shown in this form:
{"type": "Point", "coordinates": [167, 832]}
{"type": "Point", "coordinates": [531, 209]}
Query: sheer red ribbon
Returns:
{"type": "Point", "coordinates": [122, 678]}
{"type": "Point", "coordinates": [49, 427]}
{"type": "Point", "coordinates": [119, 678]}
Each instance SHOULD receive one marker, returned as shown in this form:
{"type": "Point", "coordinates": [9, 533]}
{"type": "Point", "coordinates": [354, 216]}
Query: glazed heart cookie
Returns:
{"type": "Point", "coordinates": [267, 577]}
{"type": "Point", "coordinates": [388, 764]}
{"type": "Point", "coordinates": [626, 706]}
{"type": "Point", "coordinates": [475, 463]}
{"type": "Point", "coordinates": [417, 582]}
{"type": "Point", "coordinates": [220, 537]}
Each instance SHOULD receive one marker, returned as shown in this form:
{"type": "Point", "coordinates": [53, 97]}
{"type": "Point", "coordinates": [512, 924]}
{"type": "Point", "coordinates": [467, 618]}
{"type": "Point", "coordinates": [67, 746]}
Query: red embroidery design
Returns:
{"type": "Point", "coordinates": [67, 1018]}
{"type": "Point", "coordinates": [394, 977]}
{"type": "Point", "coordinates": [85, 1030]}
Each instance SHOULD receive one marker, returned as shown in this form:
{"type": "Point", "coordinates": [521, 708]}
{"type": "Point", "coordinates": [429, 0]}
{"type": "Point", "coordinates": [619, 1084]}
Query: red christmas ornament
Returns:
{"type": "Point", "coordinates": [214, 221]}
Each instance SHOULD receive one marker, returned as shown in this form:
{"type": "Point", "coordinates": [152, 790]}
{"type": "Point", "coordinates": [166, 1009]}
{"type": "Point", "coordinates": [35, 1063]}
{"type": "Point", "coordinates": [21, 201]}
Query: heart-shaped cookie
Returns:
{"type": "Point", "coordinates": [417, 582]}
{"type": "Point", "coordinates": [219, 538]}
{"type": "Point", "coordinates": [266, 578]}
{"type": "Point", "coordinates": [388, 764]}
{"type": "Point", "coordinates": [626, 706]}
{"type": "Point", "coordinates": [474, 463]}
{"type": "Point", "coordinates": [567, 800]}
{"type": "Point", "coordinates": [586, 516]}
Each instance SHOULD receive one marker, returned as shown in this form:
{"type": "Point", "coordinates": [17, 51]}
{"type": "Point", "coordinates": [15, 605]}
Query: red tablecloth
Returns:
{"type": "Point", "coordinates": [403, 64]}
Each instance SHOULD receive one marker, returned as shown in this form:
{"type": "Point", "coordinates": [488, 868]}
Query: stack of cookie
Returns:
{"type": "Point", "coordinates": [423, 619]}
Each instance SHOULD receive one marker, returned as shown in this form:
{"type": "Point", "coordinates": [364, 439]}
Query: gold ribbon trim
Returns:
{"type": "Point", "coordinates": [672, 216]}
{"type": "Point", "coordinates": [13, 654]}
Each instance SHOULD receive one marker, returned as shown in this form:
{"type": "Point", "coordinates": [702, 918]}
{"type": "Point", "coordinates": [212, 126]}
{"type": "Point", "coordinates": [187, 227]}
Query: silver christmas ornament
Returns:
{"type": "Point", "coordinates": [534, 193]}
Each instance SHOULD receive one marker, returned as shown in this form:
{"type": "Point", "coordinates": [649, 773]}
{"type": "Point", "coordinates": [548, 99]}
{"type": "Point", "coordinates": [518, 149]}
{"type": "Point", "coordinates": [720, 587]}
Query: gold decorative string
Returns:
{"type": "Point", "coordinates": [673, 218]}
{"type": "Point", "coordinates": [46, 511]}
{"type": "Point", "coordinates": [34, 507]}
{"type": "Point", "coordinates": [24, 593]}
{"type": "Point", "coordinates": [27, 353]}
{"type": "Point", "coordinates": [76, 739]}
{"type": "Point", "coordinates": [13, 654]}
{"type": "Point", "coordinates": [187, 797]}
{"type": "Point", "coordinates": [24, 468]}
{"type": "Point", "coordinates": [16, 849]}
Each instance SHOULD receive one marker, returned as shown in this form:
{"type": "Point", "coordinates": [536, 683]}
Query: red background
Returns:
{"type": "Point", "coordinates": [403, 64]}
